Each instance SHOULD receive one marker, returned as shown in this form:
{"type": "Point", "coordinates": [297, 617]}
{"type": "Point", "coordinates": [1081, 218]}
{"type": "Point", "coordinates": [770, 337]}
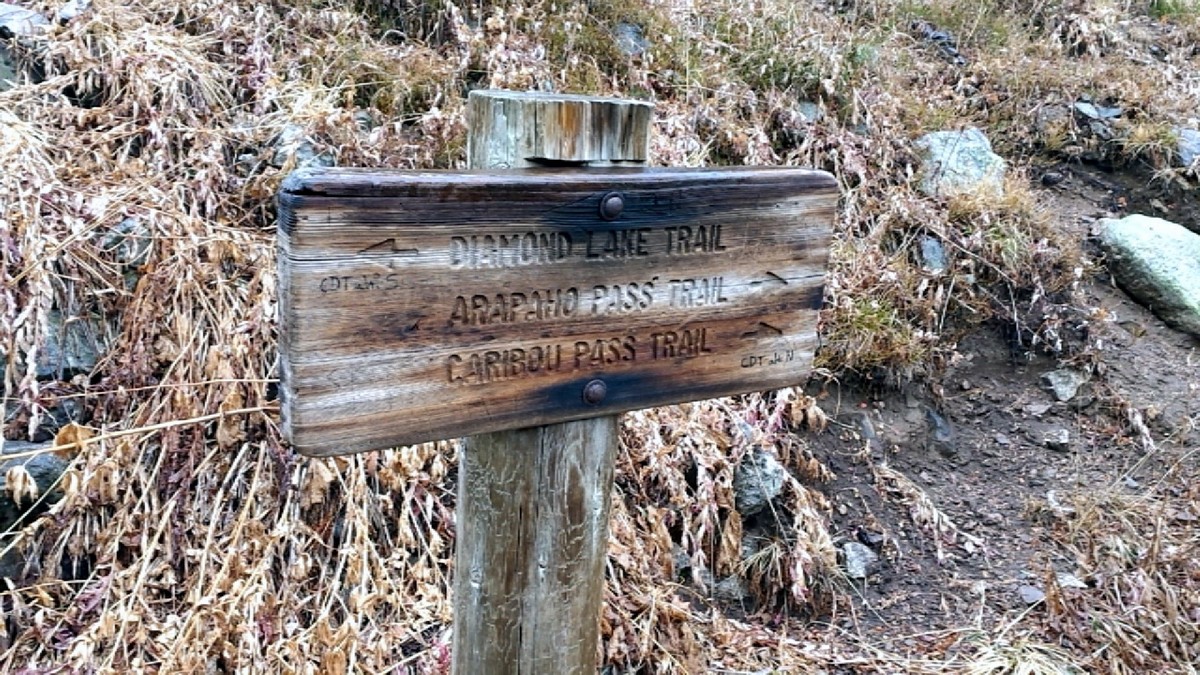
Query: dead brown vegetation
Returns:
{"type": "Point", "coordinates": [191, 540]}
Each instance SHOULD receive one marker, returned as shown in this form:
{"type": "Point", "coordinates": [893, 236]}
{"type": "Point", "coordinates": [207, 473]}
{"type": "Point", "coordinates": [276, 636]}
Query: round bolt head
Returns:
{"type": "Point", "coordinates": [594, 392]}
{"type": "Point", "coordinates": [611, 206]}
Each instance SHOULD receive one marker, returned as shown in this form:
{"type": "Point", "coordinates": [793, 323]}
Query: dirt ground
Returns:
{"type": "Point", "coordinates": [976, 445]}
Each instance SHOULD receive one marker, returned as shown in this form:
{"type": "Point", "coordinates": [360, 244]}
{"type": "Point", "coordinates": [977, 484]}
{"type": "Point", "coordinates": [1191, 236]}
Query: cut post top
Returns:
{"type": "Point", "coordinates": [527, 129]}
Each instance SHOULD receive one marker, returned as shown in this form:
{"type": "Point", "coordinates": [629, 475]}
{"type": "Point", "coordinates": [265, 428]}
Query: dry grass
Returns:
{"type": "Point", "coordinates": [191, 540]}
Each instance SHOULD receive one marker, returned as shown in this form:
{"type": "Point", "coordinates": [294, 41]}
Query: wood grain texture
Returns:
{"type": "Point", "coordinates": [521, 129]}
{"type": "Point", "coordinates": [533, 511]}
{"type": "Point", "coordinates": [541, 535]}
{"type": "Point", "coordinates": [438, 305]}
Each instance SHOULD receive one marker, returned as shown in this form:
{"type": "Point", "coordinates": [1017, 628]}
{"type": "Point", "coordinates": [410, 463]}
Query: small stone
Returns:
{"type": "Point", "coordinates": [1189, 145]}
{"type": "Point", "coordinates": [759, 478]}
{"type": "Point", "coordinates": [1058, 507]}
{"type": "Point", "coordinates": [1065, 382]}
{"type": "Point", "coordinates": [293, 143]}
{"type": "Point", "coordinates": [960, 162]}
{"type": "Point", "coordinates": [1184, 516]}
{"type": "Point", "coordinates": [1066, 580]}
{"type": "Point", "coordinates": [872, 539]}
{"type": "Point", "coordinates": [1131, 483]}
{"type": "Point", "coordinates": [933, 254]}
{"type": "Point", "coordinates": [1098, 112]}
{"type": "Point", "coordinates": [683, 563]}
{"type": "Point", "coordinates": [9, 73]}
{"type": "Point", "coordinates": [631, 39]}
{"type": "Point", "coordinates": [940, 433]}
{"type": "Point", "coordinates": [965, 385]}
{"type": "Point", "coordinates": [45, 470]}
{"type": "Point", "coordinates": [1031, 595]}
{"type": "Point", "coordinates": [1052, 178]}
{"type": "Point", "coordinates": [130, 239]}
{"type": "Point", "coordinates": [810, 111]}
{"type": "Point", "coordinates": [364, 120]}
{"type": "Point", "coordinates": [1057, 439]}
{"type": "Point", "coordinates": [993, 519]}
{"type": "Point", "coordinates": [862, 420]}
{"type": "Point", "coordinates": [1051, 117]}
{"type": "Point", "coordinates": [732, 589]}
{"type": "Point", "coordinates": [18, 22]}
{"type": "Point", "coordinates": [859, 559]}
{"type": "Point", "coordinates": [1037, 409]}
{"type": "Point", "coordinates": [1002, 439]}
{"type": "Point", "coordinates": [72, 9]}
{"type": "Point", "coordinates": [73, 345]}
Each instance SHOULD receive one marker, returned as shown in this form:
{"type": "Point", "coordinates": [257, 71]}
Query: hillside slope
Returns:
{"type": "Point", "coordinates": [142, 147]}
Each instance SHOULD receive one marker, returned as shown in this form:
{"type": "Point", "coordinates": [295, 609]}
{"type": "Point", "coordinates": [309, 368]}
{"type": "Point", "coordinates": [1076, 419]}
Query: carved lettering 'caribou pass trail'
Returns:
{"type": "Point", "coordinates": [502, 365]}
{"type": "Point", "coordinates": [522, 249]}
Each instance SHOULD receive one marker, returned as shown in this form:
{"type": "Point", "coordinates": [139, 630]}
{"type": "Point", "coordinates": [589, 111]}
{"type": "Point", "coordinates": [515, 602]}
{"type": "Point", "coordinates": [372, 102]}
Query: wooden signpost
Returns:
{"type": "Point", "coordinates": [505, 305]}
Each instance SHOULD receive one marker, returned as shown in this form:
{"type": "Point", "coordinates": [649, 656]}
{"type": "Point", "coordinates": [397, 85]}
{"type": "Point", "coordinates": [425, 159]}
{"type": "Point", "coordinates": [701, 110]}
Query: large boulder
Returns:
{"type": "Point", "coordinates": [959, 162]}
{"type": "Point", "coordinates": [1158, 263]}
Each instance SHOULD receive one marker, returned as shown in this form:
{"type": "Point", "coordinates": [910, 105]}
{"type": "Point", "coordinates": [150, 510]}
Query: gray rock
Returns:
{"type": "Point", "coordinates": [1057, 439]}
{"type": "Point", "coordinates": [933, 254]}
{"type": "Point", "coordinates": [45, 470]}
{"type": "Point", "coordinates": [1101, 130]}
{"type": "Point", "coordinates": [732, 589]}
{"type": "Point", "coordinates": [941, 434]}
{"type": "Point", "coordinates": [810, 111]}
{"type": "Point", "coordinates": [1052, 178]}
{"type": "Point", "coordinates": [683, 563]}
{"type": "Point", "coordinates": [10, 74]}
{"type": "Point", "coordinates": [72, 345]}
{"type": "Point", "coordinates": [1037, 409]}
{"type": "Point", "coordinates": [1098, 112]}
{"type": "Point", "coordinates": [1067, 580]}
{"type": "Point", "coordinates": [72, 9]}
{"type": "Point", "coordinates": [631, 39]}
{"type": "Point", "coordinates": [1065, 382]}
{"type": "Point", "coordinates": [1189, 145]}
{"type": "Point", "coordinates": [1158, 263]}
{"type": "Point", "coordinates": [293, 141]}
{"type": "Point", "coordinates": [130, 240]}
{"type": "Point", "coordinates": [1031, 595]}
{"type": "Point", "coordinates": [862, 421]}
{"type": "Point", "coordinates": [1052, 116]}
{"type": "Point", "coordinates": [860, 560]}
{"type": "Point", "coordinates": [758, 479]}
{"type": "Point", "coordinates": [959, 162]}
{"type": "Point", "coordinates": [18, 22]}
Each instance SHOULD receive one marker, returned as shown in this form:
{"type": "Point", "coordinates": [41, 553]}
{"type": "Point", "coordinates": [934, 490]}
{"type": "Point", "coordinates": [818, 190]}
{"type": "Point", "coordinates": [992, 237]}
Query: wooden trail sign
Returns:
{"type": "Point", "coordinates": [423, 306]}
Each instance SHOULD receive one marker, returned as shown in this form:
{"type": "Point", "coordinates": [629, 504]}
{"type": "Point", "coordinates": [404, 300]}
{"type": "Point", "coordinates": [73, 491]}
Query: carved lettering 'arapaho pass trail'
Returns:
{"type": "Point", "coordinates": [422, 306]}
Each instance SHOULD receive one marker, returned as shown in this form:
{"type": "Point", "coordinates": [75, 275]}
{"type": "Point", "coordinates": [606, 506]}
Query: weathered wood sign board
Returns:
{"type": "Point", "coordinates": [424, 306]}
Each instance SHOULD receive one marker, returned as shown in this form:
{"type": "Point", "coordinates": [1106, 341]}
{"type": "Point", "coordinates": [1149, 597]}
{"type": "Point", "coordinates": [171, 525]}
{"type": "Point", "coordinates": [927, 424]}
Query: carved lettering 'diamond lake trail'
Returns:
{"type": "Point", "coordinates": [522, 249]}
{"type": "Point", "coordinates": [418, 306]}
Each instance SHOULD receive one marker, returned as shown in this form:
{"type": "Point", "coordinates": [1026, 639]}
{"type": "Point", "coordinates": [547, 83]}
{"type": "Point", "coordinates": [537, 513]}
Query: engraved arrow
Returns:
{"type": "Point", "coordinates": [759, 328]}
{"type": "Point", "coordinates": [388, 247]}
{"type": "Point", "coordinates": [772, 278]}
